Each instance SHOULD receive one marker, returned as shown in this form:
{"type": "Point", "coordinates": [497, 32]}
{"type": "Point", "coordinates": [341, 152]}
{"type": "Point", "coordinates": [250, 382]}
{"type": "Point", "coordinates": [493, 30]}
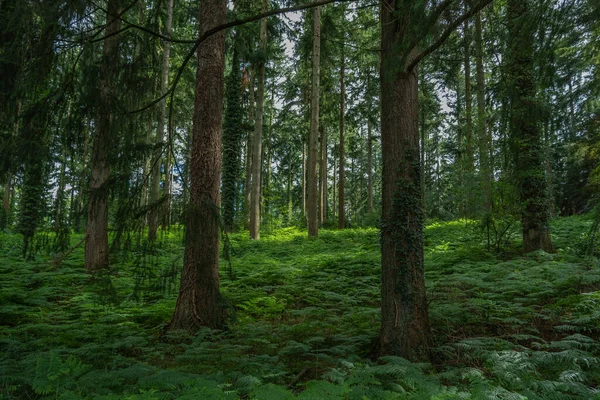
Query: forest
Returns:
{"type": "Point", "coordinates": [300, 199]}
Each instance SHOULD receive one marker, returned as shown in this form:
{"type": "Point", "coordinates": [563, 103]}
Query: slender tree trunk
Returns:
{"type": "Point", "coordinates": [304, 179]}
{"type": "Point", "coordinates": [257, 140]}
{"type": "Point", "coordinates": [405, 329]}
{"type": "Point", "coordinates": [323, 186]}
{"type": "Point", "coordinates": [313, 222]}
{"type": "Point", "coordinates": [199, 301]}
{"type": "Point", "coordinates": [342, 161]}
{"type": "Point", "coordinates": [160, 134]}
{"type": "Point", "coordinates": [468, 101]}
{"type": "Point", "coordinates": [96, 245]}
{"type": "Point", "coordinates": [465, 164]}
{"type": "Point", "coordinates": [267, 191]}
{"type": "Point", "coordinates": [248, 155]}
{"type": "Point", "coordinates": [529, 149]}
{"type": "Point", "coordinates": [484, 139]}
{"type": "Point", "coordinates": [369, 167]}
{"type": "Point", "coordinates": [333, 188]}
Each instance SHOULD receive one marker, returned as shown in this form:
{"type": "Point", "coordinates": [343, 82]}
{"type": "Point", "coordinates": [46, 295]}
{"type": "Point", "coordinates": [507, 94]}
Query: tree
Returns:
{"type": "Point", "coordinates": [405, 329]}
{"type": "Point", "coordinates": [257, 140]}
{"type": "Point", "coordinates": [528, 151]}
{"type": "Point", "coordinates": [232, 135]}
{"type": "Point", "coordinates": [313, 221]}
{"type": "Point", "coordinates": [198, 303]}
{"type": "Point", "coordinates": [342, 152]}
{"type": "Point", "coordinates": [160, 136]}
{"type": "Point", "coordinates": [96, 245]}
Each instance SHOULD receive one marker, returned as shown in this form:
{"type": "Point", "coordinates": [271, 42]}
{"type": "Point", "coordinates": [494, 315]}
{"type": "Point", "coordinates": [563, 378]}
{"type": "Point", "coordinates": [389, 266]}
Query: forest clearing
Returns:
{"type": "Point", "coordinates": [312, 199]}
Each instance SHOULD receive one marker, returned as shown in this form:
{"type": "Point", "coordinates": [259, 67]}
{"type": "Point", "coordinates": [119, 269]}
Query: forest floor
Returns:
{"type": "Point", "coordinates": [304, 315]}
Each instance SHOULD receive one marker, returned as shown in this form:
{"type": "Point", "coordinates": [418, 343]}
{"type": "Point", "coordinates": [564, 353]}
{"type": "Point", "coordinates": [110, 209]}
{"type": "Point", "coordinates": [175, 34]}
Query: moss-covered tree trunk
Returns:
{"type": "Point", "coordinates": [405, 329]}
{"type": "Point", "coordinates": [96, 245]}
{"type": "Point", "coordinates": [525, 129]}
{"type": "Point", "coordinates": [198, 303]}
{"type": "Point", "coordinates": [323, 185]}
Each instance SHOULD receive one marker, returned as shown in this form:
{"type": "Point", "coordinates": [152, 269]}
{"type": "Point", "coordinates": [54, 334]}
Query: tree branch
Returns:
{"type": "Point", "coordinates": [219, 28]}
{"type": "Point", "coordinates": [451, 28]}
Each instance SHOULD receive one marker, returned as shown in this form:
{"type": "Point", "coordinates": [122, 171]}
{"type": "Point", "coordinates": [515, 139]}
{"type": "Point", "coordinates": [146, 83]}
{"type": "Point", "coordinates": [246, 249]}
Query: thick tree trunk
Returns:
{"type": "Point", "coordinates": [313, 149]}
{"type": "Point", "coordinates": [405, 329]}
{"type": "Point", "coordinates": [199, 302]}
{"type": "Point", "coordinates": [257, 140]}
{"type": "Point", "coordinates": [342, 161]}
{"type": "Point", "coordinates": [529, 149]}
{"type": "Point", "coordinates": [160, 134]}
{"type": "Point", "coordinates": [96, 245]}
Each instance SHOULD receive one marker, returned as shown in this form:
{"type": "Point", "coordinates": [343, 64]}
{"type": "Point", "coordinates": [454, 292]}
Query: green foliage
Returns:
{"type": "Point", "coordinates": [305, 316]}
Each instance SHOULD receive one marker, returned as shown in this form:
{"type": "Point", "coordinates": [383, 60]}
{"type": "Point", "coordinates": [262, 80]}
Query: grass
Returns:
{"type": "Point", "coordinates": [304, 315]}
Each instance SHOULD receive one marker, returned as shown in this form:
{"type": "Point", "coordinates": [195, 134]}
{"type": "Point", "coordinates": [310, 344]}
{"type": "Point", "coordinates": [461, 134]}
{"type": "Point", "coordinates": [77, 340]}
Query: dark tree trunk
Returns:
{"type": "Point", "coordinates": [96, 245]}
{"type": "Point", "coordinates": [405, 329]}
{"type": "Point", "coordinates": [529, 149]}
{"type": "Point", "coordinates": [231, 144]}
{"type": "Point", "coordinates": [199, 302]}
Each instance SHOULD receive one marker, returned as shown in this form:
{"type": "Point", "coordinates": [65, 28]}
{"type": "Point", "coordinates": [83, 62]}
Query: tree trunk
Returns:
{"type": "Point", "coordinates": [342, 161]}
{"type": "Point", "coordinates": [96, 245]}
{"type": "Point", "coordinates": [160, 134]}
{"type": "Point", "coordinates": [529, 149]}
{"type": "Point", "coordinates": [485, 170]}
{"type": "Point", "coordinates": [323, 186]}
{"type": "Point", "coordinates": [405, 329]}
{"type": "Point", "coordinates": [231, 144]}
{"type": "Point", "coordinates": [468, 101]}
{"type": "Point", "coordinates": [198, 303]}
{"type": "Point", "coordinates": [369, 167]}
{"type": "Point", "coordinates": [257, 140]}
{"type": "Point", "coordinates": [313, 149]}
{"type": "Point", "coordinates": [248, 155]}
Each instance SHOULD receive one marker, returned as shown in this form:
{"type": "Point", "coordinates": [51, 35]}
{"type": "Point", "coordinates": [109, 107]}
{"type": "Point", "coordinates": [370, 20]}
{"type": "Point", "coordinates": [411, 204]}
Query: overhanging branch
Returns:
{"type": "Point", "coordinates": [444, 36]}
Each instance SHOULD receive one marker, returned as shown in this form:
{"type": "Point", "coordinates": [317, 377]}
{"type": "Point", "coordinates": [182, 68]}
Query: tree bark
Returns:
{"type": "Point", "coordinates": [485, 170]}
{"type": "Point", "coordinates": [342, 160]}
{"type": "Point", "coordinates": [248, 155]}
{"type": "Point", "coordinates": [96, 245]}
{"type": "Point", "coordinates": [313, 222]}
{"type": "Point", "coordinates": [529, 149]}
{"type": "Point", "coordinates": [160, 134]}
{"type": "Point", "coordinates": [369, 167]}
{"type": "Point", "coordinates": [323, 186]}
{"type": "Point", "coordinates": [199, 300]}
{"type": "Point", "coordinates": [257, 140]}
{"type": "Point", "coordinates": [405, 329]}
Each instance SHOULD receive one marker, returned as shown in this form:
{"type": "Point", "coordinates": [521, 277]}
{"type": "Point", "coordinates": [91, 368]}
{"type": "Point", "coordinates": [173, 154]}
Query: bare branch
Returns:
{"type": "Point", "coordinates": [219, 28]}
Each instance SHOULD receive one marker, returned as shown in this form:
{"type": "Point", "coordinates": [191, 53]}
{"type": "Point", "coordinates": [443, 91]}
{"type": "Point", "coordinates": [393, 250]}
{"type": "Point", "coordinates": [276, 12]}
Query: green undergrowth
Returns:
{"type": "Point", "coordinates": [303, 319]}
